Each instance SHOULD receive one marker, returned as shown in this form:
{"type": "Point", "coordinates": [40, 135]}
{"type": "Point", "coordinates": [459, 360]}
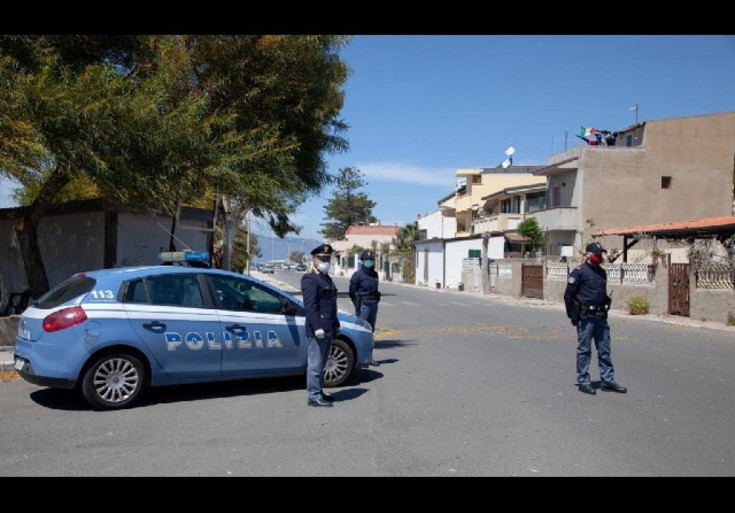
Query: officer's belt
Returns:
{"type": "Point", "coordinates": [595, 308]}
{"type": "Point", "coordinates": [369, 297]}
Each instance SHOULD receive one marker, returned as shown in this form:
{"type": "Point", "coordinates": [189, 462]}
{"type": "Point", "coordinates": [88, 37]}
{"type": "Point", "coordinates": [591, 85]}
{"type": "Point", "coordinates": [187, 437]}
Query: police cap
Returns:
{"type": "Point", "coordinates": [367, 255]}
{"type": "Point", "coordinates": [594, 247]}
{"type": "Point", "coordinates": [323, 250]}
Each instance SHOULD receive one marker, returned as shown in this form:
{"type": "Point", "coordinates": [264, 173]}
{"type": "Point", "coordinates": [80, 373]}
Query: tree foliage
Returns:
{"type": "Point", "coordinates": [157, 122]}
{"type": "Point", "coordinates": [348, 206]}
{"type": "Point", "coordinates": [530, 228]}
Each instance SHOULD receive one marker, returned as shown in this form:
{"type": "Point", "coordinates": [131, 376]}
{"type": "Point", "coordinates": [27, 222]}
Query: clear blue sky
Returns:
{"type": "Point", "coordinates": [422, 106]}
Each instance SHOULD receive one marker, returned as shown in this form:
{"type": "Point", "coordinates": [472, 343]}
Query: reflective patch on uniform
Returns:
{"type": "Point", "coordinates": [571, 279]}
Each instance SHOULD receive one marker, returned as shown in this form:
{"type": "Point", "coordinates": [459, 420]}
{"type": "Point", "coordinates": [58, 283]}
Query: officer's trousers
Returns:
{"type": "Point", "coordinates": [596, 327]}
{"type": "Point", "coordinates": [316, 358]}
{"type": "Point", "coordinates": [369, 311]}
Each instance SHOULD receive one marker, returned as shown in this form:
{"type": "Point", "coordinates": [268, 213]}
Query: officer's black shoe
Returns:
{"type": "Point", "coordinates": [587, 389]}
{"type": "Point", "coordinates": [320, 402]}
{"type": "Point", "coordinates": [328, 397]}
{"type": "Point", "coordinates": [374, 363]}
{"type": "Point", "coordinates": [613, 387]}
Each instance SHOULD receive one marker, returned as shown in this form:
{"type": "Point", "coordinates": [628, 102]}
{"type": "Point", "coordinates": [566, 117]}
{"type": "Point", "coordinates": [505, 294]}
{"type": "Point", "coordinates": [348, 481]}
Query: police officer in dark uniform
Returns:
{"type": "Point", "coordinates": [363, 289]}
{"type": "Point", "coordinates": [587, 304]}
{"type": "Point", "coordinates": [322, 325]}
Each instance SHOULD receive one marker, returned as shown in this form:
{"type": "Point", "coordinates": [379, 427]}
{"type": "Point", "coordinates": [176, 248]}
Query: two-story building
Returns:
{"type": "Point", "coordinates": [447, 257]}
{"type": "Point", "coordinates": [657, 171]}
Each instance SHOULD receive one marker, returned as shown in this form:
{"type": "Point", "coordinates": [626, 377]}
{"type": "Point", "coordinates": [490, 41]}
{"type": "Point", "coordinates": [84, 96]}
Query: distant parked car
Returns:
{"type": "Point", "coordinates": [268, 269]}
{"type": "Point", "coordinates": [300, 267]}
{"type": "Point", "coordinates": [112, 333]}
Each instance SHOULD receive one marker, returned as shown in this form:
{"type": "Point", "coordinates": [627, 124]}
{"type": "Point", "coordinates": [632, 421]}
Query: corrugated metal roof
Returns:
{"type": "Point", "coordinates": [693, 226]}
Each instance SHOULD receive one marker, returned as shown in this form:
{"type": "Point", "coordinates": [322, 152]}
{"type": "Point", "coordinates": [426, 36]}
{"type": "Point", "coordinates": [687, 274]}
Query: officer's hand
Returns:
{"type": "Point", "coordinates": [574, 323]}
{"type": "Point", "coordinates": [319, 333]}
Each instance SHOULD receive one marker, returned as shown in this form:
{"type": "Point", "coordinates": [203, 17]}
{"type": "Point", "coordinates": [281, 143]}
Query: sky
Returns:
{"type": "Point", "coordinates": [420, 107]}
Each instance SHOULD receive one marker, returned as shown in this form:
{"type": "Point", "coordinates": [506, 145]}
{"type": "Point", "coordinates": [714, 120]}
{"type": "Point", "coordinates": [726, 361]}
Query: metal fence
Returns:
{"type": "Point", "coordinates": [616, 273]}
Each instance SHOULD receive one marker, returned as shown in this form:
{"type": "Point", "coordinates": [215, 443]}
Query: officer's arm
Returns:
{"type": "Point", "coordinates": [311, 306]}
{"type": "Point", "coordinates": [570, 294]}
{"type": "Point", "coordinates": [353, 289]}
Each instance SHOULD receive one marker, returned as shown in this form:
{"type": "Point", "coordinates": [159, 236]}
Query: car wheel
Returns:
{"type": "Point", "coordinates": [340, 364]}
{"type": "Point", "coordinates": [113, 381]}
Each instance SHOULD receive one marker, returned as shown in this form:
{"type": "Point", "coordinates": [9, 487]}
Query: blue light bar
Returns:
{"type": "Point", "coordinates": [184, 256]}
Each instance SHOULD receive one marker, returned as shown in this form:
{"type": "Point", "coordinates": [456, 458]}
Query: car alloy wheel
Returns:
{"type": "Point", "coordinates": [113, 381]}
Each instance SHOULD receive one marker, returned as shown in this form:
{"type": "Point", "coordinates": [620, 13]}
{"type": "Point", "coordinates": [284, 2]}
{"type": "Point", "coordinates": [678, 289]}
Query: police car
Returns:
{"type": "Point", "coordinates": [112, 333]}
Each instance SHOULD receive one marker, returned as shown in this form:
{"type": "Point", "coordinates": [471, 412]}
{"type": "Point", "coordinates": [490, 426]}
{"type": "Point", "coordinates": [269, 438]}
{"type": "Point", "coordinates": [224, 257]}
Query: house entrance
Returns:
{"type": "Point", "coordinates": [533, 281]}
{"type": "Point", "coordinates": [679, 289]}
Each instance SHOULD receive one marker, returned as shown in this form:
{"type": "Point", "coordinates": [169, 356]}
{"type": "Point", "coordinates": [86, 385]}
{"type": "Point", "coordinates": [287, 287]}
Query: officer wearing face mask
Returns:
{"type": "Point", "coordinates": [363, 290]}
{"type": "Point", "coordinates": [587, 304]}
{"type": "Point", "coordinates": [320, 305]}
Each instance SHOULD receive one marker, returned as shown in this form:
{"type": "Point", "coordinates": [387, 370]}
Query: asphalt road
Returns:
{"type": "Point", "coordinates": [467, 386]}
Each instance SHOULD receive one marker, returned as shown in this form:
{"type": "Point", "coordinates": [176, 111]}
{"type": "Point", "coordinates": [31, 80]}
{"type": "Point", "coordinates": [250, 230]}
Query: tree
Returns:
{"type": "Point", "coordinates": [347, 207]}
{"type": "Point", "coordinates": [285, 93]}
{"type": "Point", "coordinates": [403, 243]}
{"type": "Point", "coordinates": [242, 122]}
{"type": "Point", "coordinates": [530, 228]}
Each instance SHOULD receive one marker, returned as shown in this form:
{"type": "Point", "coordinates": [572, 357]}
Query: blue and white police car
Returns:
{"type": "Point", "coordinates": [112, 333]}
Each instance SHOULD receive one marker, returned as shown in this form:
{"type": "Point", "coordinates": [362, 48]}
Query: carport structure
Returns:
{"type": "Point", "coordinates": [719, 228]}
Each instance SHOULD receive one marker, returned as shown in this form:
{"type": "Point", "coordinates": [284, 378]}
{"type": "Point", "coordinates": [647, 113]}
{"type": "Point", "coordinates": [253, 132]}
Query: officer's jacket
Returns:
{"type": "Point", "coordinates": [587, 284]}
{"type": "Point", "coordinates": [320, 303]}
{"type": "Point", "coordinates": [364, 286]}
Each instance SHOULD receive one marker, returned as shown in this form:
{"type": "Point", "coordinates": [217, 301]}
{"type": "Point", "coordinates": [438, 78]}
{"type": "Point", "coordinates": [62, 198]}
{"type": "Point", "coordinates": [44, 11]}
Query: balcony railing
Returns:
{"type": "Point", "coordinates": [497, 223]}
{"type": "Point", "coordinates": [558, 218]}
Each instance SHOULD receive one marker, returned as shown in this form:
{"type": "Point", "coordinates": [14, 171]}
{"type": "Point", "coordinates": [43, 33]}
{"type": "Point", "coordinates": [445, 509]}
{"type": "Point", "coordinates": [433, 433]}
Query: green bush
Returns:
{"type": "Point", "coordinates": [731, 319]}
{"type": "Point", "coordinates": [639, 304]}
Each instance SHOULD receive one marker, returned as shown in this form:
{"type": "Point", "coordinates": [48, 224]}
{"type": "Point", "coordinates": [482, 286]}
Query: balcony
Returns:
{"type": "Point", "coordinates": [497, 223]}
{"type": "Point", "coordinates": [558, 218]}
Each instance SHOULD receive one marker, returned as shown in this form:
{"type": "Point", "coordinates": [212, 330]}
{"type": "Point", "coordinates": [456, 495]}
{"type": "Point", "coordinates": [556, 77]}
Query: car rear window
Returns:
{"type": "Point", "coordinates": [65, 291]}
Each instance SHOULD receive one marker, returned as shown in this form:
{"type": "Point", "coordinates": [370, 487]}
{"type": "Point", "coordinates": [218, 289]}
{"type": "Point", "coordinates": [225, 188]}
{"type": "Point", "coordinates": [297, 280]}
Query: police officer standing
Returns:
{"type": "Point", "coordinates": [363, 291]}
{"type": "Point", "coordinates": [322, 325]}
{"type": "Point", "coordinates": [587, 304]}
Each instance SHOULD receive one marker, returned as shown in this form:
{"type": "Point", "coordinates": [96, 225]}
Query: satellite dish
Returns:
{"type": "Point", "coordinates": [506, 164]}
{"type": "Point", "coordinates": [510, 151]}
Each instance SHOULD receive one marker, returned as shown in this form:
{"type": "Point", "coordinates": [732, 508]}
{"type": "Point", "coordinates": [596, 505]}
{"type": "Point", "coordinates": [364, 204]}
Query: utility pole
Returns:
{"type": "Point", "coordinates": [247, 223]}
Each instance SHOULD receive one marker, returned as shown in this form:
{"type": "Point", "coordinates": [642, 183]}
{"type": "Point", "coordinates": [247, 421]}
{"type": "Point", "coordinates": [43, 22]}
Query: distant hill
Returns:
{"type": "Point", "coordinates": [273, 248]}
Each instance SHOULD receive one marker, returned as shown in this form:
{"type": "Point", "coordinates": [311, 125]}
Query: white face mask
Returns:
{"type": "Point", "coordinates": [324, 267]}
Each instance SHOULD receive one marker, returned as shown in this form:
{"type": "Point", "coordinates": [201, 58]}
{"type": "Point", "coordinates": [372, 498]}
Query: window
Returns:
{"type": "Point", "coordinates": [666, 182]}
{"type": "Point", "coordinates": [242, 295]}
{"type": "Point", "coordinates": [172, 290]}
{"type": "Point", "coordinates": [535, 201]}
{"type": "Point", "coordinates": [135, 292]}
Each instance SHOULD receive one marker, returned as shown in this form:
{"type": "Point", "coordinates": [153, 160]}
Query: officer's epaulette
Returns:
{"type": "Point", "coordinates": [579, 267]}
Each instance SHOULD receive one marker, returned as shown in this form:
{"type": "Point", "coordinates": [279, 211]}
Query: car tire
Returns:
{"type": "Point", "coordinates": [113, 381]}
{"type": "Point", "coordinates": [340, 365]}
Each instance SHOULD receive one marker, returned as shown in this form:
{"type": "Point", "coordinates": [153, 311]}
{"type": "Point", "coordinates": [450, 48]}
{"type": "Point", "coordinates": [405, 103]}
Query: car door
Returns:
{"type": "Point", "coordinates": [177, 323]}
{"type": "Point", "coordinates": [263, 335]}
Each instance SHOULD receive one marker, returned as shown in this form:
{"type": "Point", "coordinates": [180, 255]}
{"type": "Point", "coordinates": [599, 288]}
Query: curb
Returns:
{"type": "Point", "coordinates": [6, 359]}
